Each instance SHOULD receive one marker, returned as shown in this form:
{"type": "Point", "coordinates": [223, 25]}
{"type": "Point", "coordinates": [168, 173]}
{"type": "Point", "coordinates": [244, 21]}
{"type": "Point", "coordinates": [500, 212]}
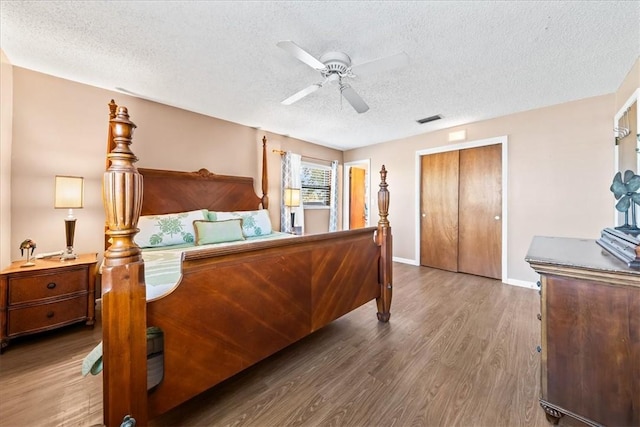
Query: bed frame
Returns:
{"type": "Point", "coordinates": [235, 305]}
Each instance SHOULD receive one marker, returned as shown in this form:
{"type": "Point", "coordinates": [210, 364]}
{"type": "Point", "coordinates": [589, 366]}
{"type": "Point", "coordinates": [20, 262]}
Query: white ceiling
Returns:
{"type": "Point", "coordinates": [469, 60]}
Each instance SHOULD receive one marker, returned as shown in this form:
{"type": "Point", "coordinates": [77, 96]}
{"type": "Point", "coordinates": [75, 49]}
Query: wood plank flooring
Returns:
{"type": "Point", "coordinates": [459, 351]}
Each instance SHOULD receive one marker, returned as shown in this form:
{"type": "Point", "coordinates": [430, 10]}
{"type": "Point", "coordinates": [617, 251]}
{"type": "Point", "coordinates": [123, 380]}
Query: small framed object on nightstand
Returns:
{"type": "Point", "coordinates": [48, 295]}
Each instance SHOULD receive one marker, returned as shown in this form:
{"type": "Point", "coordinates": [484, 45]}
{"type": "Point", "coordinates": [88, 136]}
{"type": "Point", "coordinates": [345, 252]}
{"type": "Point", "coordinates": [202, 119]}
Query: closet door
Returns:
{"type": "Point", "coordinates": [439, 211]}
{"type": "Point", "coordinates": [461, 211]}
{"type": "Point", "coordinates": [480, 211]}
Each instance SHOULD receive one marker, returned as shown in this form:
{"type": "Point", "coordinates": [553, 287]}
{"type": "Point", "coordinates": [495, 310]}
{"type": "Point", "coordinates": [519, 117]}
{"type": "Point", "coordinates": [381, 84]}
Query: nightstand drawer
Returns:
{"type": "Point", "coordinates": [36, 287]}
{"type": "Point", "coordinates": [46, 316]}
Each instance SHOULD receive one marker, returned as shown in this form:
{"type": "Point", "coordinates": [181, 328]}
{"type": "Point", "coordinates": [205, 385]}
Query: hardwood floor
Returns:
{"type": "Point", "coordinates": [460, 350]}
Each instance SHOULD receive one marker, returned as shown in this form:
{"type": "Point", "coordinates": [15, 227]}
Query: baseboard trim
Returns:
{"type": "Point", "coordinates": [405, 261]}
{"type": "Point", "coordinates": [512, 282]}
{"type": "Point", "coordinates": [521, 283]}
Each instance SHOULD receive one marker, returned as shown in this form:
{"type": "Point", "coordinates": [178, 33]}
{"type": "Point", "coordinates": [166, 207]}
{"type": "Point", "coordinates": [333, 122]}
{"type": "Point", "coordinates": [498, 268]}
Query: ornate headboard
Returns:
{"type": "Point", "coordinates": [171, 191]}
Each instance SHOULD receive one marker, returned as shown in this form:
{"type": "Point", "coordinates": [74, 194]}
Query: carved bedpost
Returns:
{"type": "Point", "coordinates": [265, 179]}
{"type": "Point", "coordinates": [384, 240]}
{"type": "Point", "coordinates": [124, 316]}
{"type": "Point", "coordinates": [112, 115]}
{"type": "Point", "coordinates": [110, 145]}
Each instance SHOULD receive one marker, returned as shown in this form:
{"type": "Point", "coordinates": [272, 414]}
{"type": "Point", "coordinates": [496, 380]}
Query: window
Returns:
{"type": "Point", "coordinates": [316, 185]}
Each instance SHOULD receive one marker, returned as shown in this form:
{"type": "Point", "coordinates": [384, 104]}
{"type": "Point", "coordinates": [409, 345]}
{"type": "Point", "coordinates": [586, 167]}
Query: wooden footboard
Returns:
{"type": "Point", "coordinates": [231, 311]}
{"type": "Point", "coordinates": [234, 305]}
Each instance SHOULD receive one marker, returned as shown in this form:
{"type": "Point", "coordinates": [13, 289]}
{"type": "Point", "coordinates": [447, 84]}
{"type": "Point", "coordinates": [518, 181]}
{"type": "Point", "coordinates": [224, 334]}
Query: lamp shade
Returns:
{"type": "Point", "coordinates": [292, 197]}
{"type": "Point", "coordinates": [69, 192]}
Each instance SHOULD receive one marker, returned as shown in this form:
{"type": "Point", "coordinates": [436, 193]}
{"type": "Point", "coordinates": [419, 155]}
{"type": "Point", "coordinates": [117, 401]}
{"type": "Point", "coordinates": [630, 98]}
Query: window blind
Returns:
{"type": "Point", "coordinates": [316, 185]}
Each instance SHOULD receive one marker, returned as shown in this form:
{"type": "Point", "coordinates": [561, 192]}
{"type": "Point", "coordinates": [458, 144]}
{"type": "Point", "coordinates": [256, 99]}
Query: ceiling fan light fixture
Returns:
{"type": "Point", "coordinates": [334, 66]}
{"type": "Point", "coordinates": [335, 63]}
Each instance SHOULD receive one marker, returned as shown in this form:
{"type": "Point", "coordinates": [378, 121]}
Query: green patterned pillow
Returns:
{"type": "Point", "coordinates": [254, 223]}
{"type": "Point", "coordinates": [218, 231]}
{"type": "Point", "coordinates": [167, 230]}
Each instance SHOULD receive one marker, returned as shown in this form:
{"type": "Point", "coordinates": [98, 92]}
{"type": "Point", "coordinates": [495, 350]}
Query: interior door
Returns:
{"type": "Point", "coordinates": [357, 213]}
{"type": "Point", "coordinates": [480, 211]}
{"type": "Point", "coordinates": [439, 211]}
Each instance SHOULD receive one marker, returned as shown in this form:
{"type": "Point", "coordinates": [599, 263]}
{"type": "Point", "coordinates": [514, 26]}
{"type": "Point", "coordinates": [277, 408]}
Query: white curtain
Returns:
{"type": "Point", "coordinates": [290, 178]}
{"type": "Point", "coordinates": [333, 205]}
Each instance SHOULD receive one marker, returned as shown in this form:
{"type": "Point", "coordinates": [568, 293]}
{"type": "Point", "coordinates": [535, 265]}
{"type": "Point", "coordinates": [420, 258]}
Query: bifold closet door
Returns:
{"type": "Point", "coordinates": [480, 211]}
{"type": "Point", "coordinates": [439, 211]}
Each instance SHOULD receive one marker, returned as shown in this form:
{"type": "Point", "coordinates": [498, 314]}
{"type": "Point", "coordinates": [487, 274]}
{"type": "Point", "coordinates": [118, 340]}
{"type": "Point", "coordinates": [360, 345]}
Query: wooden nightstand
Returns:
{"type": "Point", "coordinates": [49, 295]}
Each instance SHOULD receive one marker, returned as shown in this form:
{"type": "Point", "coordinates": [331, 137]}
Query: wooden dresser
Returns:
{"type": "Point", "coordinates": [49, 295]}
{"type": "Point", "coordinates": [590, 336]}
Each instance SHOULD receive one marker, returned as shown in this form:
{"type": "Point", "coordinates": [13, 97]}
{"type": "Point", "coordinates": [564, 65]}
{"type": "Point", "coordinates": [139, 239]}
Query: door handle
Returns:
{"type": "Point", "coordinates": [497, 217]}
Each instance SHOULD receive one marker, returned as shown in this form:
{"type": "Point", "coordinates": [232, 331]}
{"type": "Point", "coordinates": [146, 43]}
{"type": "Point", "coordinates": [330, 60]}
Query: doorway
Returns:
{"type": "Point", "coordinates": [356, 194]}
{"type": "Point", "coordinates": [357, 202]}
{"type": "Point", "coordinates": [462, 208]}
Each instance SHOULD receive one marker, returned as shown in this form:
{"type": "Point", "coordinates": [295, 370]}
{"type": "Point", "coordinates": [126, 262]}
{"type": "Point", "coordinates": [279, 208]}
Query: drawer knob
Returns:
{"type": "Point", "coordinates": [51, 285]}
{"type": "Point", "coordinates": [539, 316]}
{"type": "Point", "coordinates": [539, 349]}
{"type": "Point", "coordinates": [538, 284]}
{"type": "Point", "coordinates": [49, 314]}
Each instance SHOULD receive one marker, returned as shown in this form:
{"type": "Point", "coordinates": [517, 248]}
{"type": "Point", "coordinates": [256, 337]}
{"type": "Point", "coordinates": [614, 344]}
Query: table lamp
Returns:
{"type": "Point", "coordinates": [292, 199]}
{"type": "Point", "coordinates": [69, 195]}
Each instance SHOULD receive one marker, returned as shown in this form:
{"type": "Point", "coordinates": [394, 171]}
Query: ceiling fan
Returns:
{"type": "Point", "coordinates": [336, 67]}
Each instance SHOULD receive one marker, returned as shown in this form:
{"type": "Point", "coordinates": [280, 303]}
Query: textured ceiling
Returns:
{"type": "Point", "coordinates": [469, 61]}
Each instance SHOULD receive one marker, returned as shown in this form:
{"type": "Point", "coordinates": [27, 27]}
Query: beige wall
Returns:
{"type": "Point", "coordinates": [559, 170]}
{"type": "Point", "coordinates": [6, 118]}
{"type": "Point", "coordinates": [560, 162]}
{"type": "Point", "coordinates": [60, 127]}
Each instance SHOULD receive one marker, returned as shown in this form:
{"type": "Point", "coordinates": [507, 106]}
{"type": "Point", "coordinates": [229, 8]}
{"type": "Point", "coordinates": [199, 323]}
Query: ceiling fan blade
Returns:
{"type": "Point", "coordinates": [388, 63]}
{"type": "Point", "coordinates": [301, 54]}
{"type": "Point", "coordinates": [354, 99]}
{"type": "Point", "coordinates": [304, 92]}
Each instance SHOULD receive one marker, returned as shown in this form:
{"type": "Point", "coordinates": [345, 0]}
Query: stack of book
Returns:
{"type": "Point", "coordinates": [623, 245]}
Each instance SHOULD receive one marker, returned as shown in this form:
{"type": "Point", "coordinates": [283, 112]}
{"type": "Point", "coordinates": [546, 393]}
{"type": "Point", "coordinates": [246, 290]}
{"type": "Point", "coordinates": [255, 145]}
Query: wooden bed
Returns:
{"type": "Point", "coordinates": [235, 305]}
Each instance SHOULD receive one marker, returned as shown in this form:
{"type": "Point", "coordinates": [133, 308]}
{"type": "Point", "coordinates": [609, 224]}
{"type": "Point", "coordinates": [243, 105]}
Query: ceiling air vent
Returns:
{"type": "Point", "coordinates": [429, 119]}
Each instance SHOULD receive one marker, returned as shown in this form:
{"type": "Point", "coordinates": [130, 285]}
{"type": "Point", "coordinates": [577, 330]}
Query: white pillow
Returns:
{"type": "Point", "coordinates": [167, 230]}
{"type": "Point", "coordinates": [254, 223]}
